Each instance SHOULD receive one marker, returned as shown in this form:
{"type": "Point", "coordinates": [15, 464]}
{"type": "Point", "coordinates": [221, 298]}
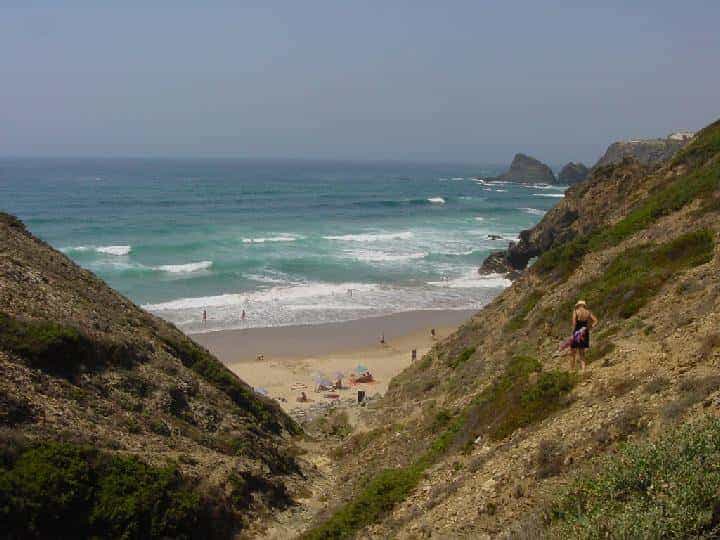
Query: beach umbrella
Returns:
{"type": "Point", "coordinates": [361, 369]}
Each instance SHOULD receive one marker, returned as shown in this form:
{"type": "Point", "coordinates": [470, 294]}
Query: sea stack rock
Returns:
{"type": "Point", "coordinates": [572, 173]}
{"type": "Point", "coordinates": [528, 169]}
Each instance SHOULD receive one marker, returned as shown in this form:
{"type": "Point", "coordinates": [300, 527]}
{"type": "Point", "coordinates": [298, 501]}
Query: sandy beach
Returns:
{"type": "Point", "coordinates": [295, 356]}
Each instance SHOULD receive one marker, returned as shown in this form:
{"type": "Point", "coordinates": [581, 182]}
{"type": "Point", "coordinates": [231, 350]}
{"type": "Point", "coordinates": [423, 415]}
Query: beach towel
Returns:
{"type": "Point", "coordinates": [576, 337]}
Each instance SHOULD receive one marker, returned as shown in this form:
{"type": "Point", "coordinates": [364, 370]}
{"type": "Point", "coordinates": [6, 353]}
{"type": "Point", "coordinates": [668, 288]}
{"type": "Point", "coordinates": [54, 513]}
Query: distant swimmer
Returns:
{"type": "Point", "coordinates": [350, 292]}
{"type": "Point", "coordinates": [204, 316]}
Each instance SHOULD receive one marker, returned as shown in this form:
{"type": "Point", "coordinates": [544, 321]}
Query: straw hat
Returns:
{"type": "Point", "coordinates": [580, 303]}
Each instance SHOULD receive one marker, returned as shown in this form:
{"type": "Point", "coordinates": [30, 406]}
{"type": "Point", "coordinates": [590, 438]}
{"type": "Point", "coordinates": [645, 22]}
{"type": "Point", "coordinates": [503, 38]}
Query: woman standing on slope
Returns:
{"type": "Point", "coordinates": [582, 320]}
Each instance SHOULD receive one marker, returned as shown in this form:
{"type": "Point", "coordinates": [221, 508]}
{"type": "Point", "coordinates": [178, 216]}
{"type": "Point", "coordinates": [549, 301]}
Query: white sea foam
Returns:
{"type": "Point", "coordinates": [115, 250]}
{"type": "Point", "coordinates": [473, 280]}
{"type": "Point", "coordinates": [553, 195]}
{"type": "Point", "coordinates": [458, 178]}
{"type": "Point", "coordinates": [106, 250]}
{"type": "Point", "coordinates": [185, 268]}
{"type": "Point", "coordinates": [315, 303]}
{"type": "Point", "coordinates": [533, 211]}
{"type": "Point", "coordinates": [436, 200]}
{"type": "Point", "coordinates": [381, 256]}
{"type": "Point", "coordinates": [279, 238]}
{"type": "Point", "coordinates": [479, 218]}
{"type": "Point", "coordinates": [501, 190]}
{"type": "Point", "coordinates": [371, 237]}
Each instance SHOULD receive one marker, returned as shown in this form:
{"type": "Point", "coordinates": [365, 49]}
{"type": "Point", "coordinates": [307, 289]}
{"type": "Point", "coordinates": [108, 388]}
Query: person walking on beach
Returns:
{"type": "Point", "coordinates": [432, 333]}
{"type": "Point", "coordinates": [242, 315]}
{"type": "Point", "coordinates": [382, 338]}
{"type": "Point", "coordinates": [583, 320]}
{"type": "Point", "coordinates": [204, 316]}
{"type": "Point", "coordinates": [413, 355]}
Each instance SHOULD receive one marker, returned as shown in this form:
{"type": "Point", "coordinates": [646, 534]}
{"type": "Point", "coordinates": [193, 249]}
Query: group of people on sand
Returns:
{"type": "Point", "coordinates": [243, 316]}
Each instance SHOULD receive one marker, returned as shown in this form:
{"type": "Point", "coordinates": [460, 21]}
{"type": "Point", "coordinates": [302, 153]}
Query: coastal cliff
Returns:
{"type": "Point", "coordinates": [527, 169]}
{"type": "Point", "coordinates": [114, 423]}
{"type": "Point", "coordinates": [645, 151]}
{"type": "Point", "coordinates": [492, 434]}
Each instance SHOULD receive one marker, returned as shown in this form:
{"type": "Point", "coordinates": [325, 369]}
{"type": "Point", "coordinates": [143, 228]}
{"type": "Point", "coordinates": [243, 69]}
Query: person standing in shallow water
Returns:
{"type": "Point", "coordinates": [583, 320]}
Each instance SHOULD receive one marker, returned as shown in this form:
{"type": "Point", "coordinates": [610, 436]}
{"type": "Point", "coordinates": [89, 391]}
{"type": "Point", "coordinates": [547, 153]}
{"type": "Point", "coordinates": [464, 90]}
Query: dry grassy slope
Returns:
{"type": "Point", "coordinates": [658, 366]}
{"type": "Point", "coordinates": [139, 394]}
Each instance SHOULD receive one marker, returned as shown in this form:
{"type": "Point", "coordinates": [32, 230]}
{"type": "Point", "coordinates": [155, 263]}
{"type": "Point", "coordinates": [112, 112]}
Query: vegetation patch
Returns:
{"type": "Point", "coordinates": [59, 349]}
{"type": "Point", "coordinates": [636, 275]}
{"type": "Point", "coordinates": [521, 396]}
{"type": "Point", "coordinates": [663, 489]}
{"type": "Point", "coordinates": [61, 490]}
{"type": "Point", "coordinates": [382, 492]}
{"type": "Point", "coordinates": [461, 358]}
{"type": "Point", "coordinates": [519, 319]}
{"type": "Point", "coordinates": [214, 372]}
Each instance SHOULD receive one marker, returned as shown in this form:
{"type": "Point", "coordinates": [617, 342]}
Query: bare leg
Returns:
{"type": "Point", "coordinates": [582, 359]}
{"type": "Point", "coordinates": [573, 360]}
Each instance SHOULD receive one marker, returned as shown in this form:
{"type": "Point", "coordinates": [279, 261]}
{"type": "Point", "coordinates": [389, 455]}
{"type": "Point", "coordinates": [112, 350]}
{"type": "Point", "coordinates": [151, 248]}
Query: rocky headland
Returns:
{"type": "Point", "coordinates": [644, 151]}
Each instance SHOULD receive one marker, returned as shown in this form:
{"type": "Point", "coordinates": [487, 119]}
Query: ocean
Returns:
{"type": "Point", "coordinates": [289, 242]}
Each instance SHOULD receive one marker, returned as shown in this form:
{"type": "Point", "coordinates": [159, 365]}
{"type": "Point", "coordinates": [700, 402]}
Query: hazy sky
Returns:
{"type": "Point", "coordinates": [470, 81]}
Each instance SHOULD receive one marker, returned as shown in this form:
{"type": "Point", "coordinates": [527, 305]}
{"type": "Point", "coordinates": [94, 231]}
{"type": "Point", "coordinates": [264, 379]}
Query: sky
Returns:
{"type": "Point", "coordinates": [454, 80]}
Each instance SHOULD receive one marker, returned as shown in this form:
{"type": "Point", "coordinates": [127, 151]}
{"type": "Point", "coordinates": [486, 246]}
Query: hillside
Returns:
{"type": "Point", "coordinates": [116, 424]}
{"type": "Point", "coordinates": [491, 435]}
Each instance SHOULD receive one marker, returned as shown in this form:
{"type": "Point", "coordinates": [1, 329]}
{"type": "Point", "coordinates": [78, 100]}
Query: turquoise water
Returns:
{"type": "Point", "coordinates": [285, 240]}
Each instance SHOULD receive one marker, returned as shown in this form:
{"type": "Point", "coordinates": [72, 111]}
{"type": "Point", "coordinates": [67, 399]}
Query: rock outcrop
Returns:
{"type": "Point", "coordinates": [572, 173]}
{"type": "Point", "coordinates": [527, 169]}
{"type": "Point", "coordinates": [645, 151]}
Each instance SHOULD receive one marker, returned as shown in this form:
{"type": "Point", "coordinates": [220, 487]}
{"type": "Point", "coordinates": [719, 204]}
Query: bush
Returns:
{"type": "Point", "coordinates": [62, 490]}
{"type": "Point", "coordinates": [636, 275]}
{"type": "Point", "coordinates": [526, 306]}
{"type": "Point", "coordinates": [61, 350]}
{"type": "Point", "coordinates": [666, 489]}
{"type": "Point", "coordinates": [463, 357]}
{"type": "Point", "coordinates": [549, 458]}
{"type": "Point", "coordinates": [657, 385]}
{"type": "Point", "coordinates": [521, 396]}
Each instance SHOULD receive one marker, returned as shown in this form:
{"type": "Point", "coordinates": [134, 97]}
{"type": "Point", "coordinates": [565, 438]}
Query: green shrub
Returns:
{"type": "Point", "coordinates": [521, 396]}
{"type": "Point", "coordinates": [214, 372]}
{"type": "Point", "coordinates": [637, 274]}
{"type": "Point", "coordinates": [463, 357]}
{"type": "Point", "coordinates": [61, 350]}
{"type": "Point", "coordinates": [382, 492]}
{"type": "Point", "coordinates": [526, 306]}
{"type": "Point", "coordinates": [61, 490]}
{"type": "Point", "coordinates": [663, 489]}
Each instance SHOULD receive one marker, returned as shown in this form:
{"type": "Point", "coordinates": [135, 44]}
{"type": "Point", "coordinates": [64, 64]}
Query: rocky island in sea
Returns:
{"type": "Point", "coordinates": [572, 173]}
{"type": "Point", "coordinates": [525, 168]}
